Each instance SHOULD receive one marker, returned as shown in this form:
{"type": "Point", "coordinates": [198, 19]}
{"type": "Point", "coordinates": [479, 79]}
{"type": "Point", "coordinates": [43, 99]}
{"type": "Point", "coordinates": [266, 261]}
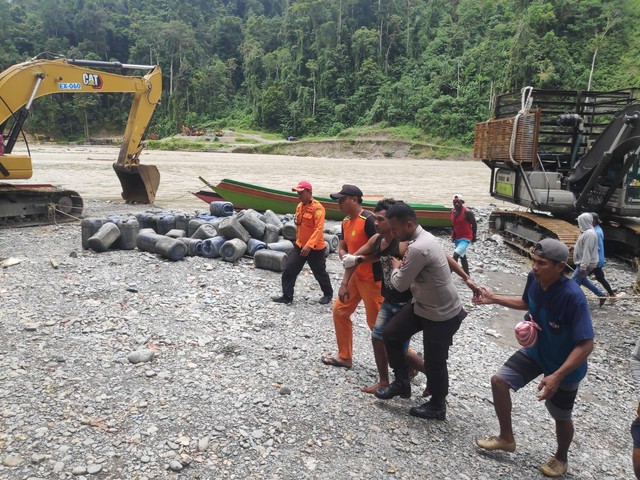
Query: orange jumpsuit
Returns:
{"type": "Point", "coordinates": [364, 285]}
{"type": "Point", "coordinates": [309, 219]}
{"type": "Point", "coordinates": [310, 222]}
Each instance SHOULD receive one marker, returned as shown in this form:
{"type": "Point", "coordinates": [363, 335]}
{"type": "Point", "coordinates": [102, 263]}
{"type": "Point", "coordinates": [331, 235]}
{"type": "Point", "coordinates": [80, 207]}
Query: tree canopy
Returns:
{"type": "Point", "coordinates": [300, 67]}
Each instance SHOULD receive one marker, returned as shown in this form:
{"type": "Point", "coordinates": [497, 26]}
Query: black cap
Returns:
{"type": "Point", "coordinates": [596, 218]}
{"type": "Point", "coordinates": [347, 191]}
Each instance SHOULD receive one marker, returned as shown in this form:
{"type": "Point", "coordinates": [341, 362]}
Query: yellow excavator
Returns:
{"type": "Point", "coordinates": [44, 75]}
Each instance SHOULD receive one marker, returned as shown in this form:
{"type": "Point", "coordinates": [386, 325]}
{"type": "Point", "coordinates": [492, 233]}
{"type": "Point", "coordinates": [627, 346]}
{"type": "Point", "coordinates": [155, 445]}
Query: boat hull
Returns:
{"type": "Point", "coordinates": [245, 195]}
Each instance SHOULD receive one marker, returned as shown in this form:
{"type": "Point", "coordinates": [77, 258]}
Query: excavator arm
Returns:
{"type": "Point", "coordinates": [21, 84]}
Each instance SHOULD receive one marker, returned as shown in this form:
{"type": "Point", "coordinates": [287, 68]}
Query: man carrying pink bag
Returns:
{"type": "Point", "coordinates": [556, 345]}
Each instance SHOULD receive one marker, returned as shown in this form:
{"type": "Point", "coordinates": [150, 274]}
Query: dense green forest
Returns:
{"type": "Point", "coordinates": [315, 67]}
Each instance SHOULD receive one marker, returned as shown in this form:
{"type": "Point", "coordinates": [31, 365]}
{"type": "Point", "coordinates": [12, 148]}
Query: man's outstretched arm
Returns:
{"type": "Point", "coordinates": [487, 297]}
{"type": "Point", "coordinates": [458, 270]}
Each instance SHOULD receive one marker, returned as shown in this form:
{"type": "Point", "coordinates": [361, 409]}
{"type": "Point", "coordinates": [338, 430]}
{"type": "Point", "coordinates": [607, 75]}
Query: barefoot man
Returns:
{"type": "Point", "coordinates": [382, 246]}
{"type": "Point", "coordinates": [564, 342]}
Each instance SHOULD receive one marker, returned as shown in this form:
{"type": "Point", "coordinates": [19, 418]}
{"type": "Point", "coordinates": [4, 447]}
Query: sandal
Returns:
{"type": "Point", "coordinates": [554, 467]}
{"type": "Point", "coordinates": [334, 362]}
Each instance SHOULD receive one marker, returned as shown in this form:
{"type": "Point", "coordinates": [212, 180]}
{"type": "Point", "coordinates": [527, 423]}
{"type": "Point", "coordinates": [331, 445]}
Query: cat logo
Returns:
{"type": "Point", "coordinates": [92, 80]}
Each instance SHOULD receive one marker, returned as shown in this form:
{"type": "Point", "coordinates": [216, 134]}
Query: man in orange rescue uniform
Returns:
{"type": "Point", "coordinates": [309, 246]}
{"type": "Point", "coordinates": [357, 227]}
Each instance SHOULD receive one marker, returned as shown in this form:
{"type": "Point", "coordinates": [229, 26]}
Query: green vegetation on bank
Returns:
{"type": "Point", "coordinates": [426, 69]}
{"type": "Point", "coordinates": [357, 147]}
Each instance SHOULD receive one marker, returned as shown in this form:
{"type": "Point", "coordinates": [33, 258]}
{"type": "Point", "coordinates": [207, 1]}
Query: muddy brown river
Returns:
{"type": "Point", "coordinates": [87, 169]}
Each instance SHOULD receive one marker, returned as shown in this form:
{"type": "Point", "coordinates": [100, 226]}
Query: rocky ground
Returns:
{"type": "Point", "coordinates": [123, 365]}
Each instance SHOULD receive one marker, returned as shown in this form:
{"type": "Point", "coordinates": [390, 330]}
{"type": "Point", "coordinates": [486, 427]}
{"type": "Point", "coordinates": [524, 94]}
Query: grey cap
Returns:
{"type": "Point", "coordinates": [551, 249]}
{"type": "Point", "coordinates": [596, 218]}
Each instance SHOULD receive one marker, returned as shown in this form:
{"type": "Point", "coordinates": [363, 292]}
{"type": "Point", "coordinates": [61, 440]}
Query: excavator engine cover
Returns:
{"type": "Point", "coordinates": [139, 182]}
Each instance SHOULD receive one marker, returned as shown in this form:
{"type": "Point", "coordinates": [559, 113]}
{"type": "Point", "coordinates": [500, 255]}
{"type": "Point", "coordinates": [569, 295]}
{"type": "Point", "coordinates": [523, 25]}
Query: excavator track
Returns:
{"type": "Point", "coordinates": [523, 229]}
{"type": "Point", "coordinates": [622, 237]}
{"type": "Point", "coordinates": [30, 205]}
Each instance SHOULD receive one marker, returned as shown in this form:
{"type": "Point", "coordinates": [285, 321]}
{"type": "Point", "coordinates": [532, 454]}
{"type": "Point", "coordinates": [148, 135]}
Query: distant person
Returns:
{"type": "Point", "coordinates": [560, 352]}
{"type": "Point", "coordinates": [464, 230]}
{"type": "Point", "coordinates": [309, 246]}
{"type": "Point", "coordinates": [598, 272]}
{"type": "Point", "coordinates": [635, 426]}
{"type": "Point", "coordinates": [585, 255]}
{"type": "Point", "coordinates": [365, 285]}
{"type": "Point", "coordinates": [435, 311]}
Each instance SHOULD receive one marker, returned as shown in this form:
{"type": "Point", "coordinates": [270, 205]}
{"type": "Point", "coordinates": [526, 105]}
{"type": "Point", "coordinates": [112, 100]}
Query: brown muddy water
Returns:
{"type": "Point", "coordinates": [88, 170]}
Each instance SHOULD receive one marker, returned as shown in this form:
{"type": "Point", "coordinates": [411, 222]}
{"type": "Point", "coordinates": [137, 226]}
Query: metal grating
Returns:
{"type": "Point", "coordinates": [493, 137]}
{"type": "Point", "coordinates": [596, 109]}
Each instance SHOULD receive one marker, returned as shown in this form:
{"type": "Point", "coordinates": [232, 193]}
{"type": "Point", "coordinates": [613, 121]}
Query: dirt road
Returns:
{"type": "Point", "coordinates": [87, 169]}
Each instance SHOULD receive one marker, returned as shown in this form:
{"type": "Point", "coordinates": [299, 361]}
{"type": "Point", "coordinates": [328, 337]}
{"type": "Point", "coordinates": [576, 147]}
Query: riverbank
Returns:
{"type": "Point", "coordinates": [357, 142]}
{"type": "Point", "coordinates": [360, 142]}
{"type": "Point", "coordinates": [236, 388]}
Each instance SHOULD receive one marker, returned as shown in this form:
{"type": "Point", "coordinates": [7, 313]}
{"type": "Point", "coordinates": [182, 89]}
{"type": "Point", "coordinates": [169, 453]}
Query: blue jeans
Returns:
{"type": "Point", "coordinates": [584, 280]}
{"type": "Point", "coordinates": [386, 312]}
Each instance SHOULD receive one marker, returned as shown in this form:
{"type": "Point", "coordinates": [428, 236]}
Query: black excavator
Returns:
{"type": "Point", "coordinates": [560, 153]}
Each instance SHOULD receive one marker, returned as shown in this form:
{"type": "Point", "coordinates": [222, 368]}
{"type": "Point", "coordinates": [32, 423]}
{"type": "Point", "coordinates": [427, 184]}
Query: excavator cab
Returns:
{"type": "Point", "coordinates": [562, 152]}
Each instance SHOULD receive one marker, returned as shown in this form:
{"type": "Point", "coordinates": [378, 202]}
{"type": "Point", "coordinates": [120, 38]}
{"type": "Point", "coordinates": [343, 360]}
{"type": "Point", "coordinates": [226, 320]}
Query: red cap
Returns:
{"type": "Point", "coordinates": [302, 186]}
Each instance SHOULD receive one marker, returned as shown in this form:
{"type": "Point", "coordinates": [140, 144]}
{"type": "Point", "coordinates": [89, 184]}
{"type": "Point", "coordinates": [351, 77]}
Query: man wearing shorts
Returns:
{"type": "Point", "coordinates": [464, 230]}
{"type": "Point", "coordinates": [564, 342]}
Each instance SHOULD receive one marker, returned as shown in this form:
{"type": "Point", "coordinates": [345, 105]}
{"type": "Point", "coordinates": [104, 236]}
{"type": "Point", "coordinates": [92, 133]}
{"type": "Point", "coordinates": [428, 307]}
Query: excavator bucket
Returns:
{"type": "Point", "coordinates": [139, 182]}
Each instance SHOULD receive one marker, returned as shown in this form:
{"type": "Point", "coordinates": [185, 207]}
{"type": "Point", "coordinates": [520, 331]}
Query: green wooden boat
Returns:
{"type": "Point", "coordinates": [246, 195]}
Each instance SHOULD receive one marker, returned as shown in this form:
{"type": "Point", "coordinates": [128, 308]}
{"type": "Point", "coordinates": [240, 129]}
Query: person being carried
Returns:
{"type": "Point", "coordinates": [381, 247]}
{"type": "Point", "coordinates": [585, 255]}
{"type": "Point", "coordinates": [435, 310]}
{"type": "Point", "coordinates": [598, 272]}
{"type": "Point", "coordinates": [464, 230]}
{"type": "Point", "coordinates": [357, 228]}
{"type": "Point", "coordinates": [309, 246]}
{"type": "Point", "coordinates": [564, 342]}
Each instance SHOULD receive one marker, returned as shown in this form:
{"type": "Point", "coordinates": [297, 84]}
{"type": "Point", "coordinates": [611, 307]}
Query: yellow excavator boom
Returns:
{"type": "Point", "coordinates": [21, 84]}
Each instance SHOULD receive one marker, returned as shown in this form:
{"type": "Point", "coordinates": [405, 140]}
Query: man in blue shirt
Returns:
{"type": "Point", "coordinates": [560, 353]}
{"type": "Point", "coordinates": [597, 272]}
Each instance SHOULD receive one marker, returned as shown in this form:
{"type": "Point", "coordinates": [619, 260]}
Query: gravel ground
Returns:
{"type": "Point", "coordinates": [230, 385]}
